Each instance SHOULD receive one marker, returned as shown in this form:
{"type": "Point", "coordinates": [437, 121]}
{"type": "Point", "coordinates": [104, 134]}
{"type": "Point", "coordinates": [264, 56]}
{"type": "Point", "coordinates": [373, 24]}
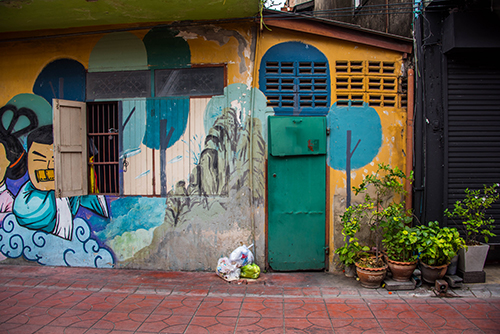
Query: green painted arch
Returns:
{"type": "Point", "coordinates": [119, 51]}
{"type": "Point", "coordinates": [165, 50]}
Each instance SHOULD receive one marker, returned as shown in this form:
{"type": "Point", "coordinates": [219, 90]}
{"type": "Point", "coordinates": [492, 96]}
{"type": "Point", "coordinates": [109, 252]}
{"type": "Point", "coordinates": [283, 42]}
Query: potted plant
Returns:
{"type": "Point", "coordinates": [349, 252]}
{"type": "Point", "coordinates": [401, 249]}
{"type": "Point", "coordinates": [471, 211]}
{"type": "Point", "coordinates": [383, 213]}
{"type": "Point", "coordinates": [458, 245]}
{"type": "Point", "coordinates": [436, 247]}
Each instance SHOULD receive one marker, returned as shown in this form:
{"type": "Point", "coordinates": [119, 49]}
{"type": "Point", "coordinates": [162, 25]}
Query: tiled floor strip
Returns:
{"type": "Point", "coordinates": [65, 300]}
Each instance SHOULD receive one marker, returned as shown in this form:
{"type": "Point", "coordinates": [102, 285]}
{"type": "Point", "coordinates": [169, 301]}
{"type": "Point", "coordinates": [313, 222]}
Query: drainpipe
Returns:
{"type": "Point", "coordinates": [250, 174]}
{"type": "Point", "coordinates": [409, 137]}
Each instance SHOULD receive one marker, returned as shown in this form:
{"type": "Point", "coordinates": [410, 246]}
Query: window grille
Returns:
{"type": "Point", "coordinates": [374, 82]}
{"type": "Point", "coordinates": [197, 81]}
{"type": "Point", "coordinates": [114, 85]}
{"type": "Point", "coordinates": [294, 87]}
{"type": "Point", "coordinates": [103, 141]}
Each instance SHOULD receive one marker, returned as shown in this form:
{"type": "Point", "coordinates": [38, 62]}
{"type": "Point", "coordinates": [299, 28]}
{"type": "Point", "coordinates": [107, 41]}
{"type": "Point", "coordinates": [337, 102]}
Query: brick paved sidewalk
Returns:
{"type": "Point", "coordinates": [36, 299]}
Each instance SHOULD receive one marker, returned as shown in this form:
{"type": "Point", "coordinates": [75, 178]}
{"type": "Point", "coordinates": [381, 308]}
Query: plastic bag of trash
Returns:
{"type": "Point", "coordinates": [241, 256]}
{"type": "Point", "coordinates": [250, 271]}
{"type": "Point", "coordinates": [226, 270]}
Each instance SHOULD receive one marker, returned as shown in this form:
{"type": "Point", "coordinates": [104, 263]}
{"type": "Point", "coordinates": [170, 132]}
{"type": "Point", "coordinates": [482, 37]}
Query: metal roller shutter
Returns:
{"type": "Point", "coordinates": [472, 128]}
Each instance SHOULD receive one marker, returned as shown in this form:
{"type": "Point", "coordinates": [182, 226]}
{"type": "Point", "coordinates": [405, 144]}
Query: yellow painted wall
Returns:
{"type": "Point", "coordinates": [393, 119]}
{"type": "Point", "coordinates": [22, 61]}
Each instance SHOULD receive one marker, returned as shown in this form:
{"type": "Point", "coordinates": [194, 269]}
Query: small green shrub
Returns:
{"type": "Point", "coordinates": [438, 245]}
{"type": "Point", "coordinates": [472, 212]}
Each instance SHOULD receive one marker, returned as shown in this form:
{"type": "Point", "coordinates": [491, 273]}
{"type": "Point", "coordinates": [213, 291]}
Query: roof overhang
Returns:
{"type": "Point", "coordinates": [31, 15]}
{"type": "Point", "coordinates": [338, 30]}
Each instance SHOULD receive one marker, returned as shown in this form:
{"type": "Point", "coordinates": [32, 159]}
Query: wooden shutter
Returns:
{"type": "Point", "coordinates": [70, 142]}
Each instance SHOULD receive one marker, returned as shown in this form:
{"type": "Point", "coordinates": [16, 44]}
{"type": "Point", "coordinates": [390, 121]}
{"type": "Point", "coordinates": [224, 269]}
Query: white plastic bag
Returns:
{"type": "Point", "coordinates": [241, 256]}
{"type": "Point", "coordinates": [226, 270]}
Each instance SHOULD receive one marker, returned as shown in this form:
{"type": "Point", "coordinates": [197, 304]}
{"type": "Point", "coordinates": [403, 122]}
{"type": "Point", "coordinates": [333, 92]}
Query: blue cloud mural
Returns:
{"type": "Point", "coordinates": [133, 213]}
{"type": "Point", "coordinates": [47, 249]}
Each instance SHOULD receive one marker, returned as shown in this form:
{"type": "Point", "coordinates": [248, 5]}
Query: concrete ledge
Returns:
{"type": "Point", "coordinates": [454, 281]}
{"type": "Point", "coordinates": [393, 285]}
{"type": "Point", "coordinates": [472, 276]}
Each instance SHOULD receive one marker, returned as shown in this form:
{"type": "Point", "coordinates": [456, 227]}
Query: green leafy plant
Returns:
{"type": "Point", "coordinates": [437, 245]}
{"type": "Point", "coordinates": [349, 253]}
{"type": "Point", "coordinates": [402, 246]}
{"type": "Point", "coordinates": [384, 214]}
{"type": "Point", "coordinates": [472, 212]}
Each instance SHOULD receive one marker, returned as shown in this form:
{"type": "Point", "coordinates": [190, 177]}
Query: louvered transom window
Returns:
{"type": "Point", "coordinates": [297, 87]}
{"type": "Point", "coordinates": [295, 78]}
{"type": "Point", "coordinates": [375, 82]}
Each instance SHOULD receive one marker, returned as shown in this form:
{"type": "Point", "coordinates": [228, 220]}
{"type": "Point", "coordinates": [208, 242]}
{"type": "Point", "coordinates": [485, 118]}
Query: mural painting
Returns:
{"type": "Point", "coordinates": [106, 231]}
{"type": "Point", "coordinates": [193, 166]}
{"type": "Point", "coordinates": [355, 139]}
{"type": "Point", "coordinates": [12, 154]}
{"type": "Point", "coordinates": [41, 227]}
{"type": "Point", "coordinates": [203, 216]}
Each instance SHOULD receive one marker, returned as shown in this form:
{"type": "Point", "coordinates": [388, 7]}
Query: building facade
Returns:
{"type": "Point", "coordinates": [166, 146]}
{"type": "Point", "coordinates": [457, 123]}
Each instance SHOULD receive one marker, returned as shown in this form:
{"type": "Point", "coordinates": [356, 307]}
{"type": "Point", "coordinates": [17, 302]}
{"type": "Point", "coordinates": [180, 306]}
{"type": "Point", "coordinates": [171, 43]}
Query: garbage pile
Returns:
{"type": "Point", "coordinates": [238, 265]}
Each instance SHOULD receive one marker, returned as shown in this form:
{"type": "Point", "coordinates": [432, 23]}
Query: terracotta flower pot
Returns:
{"type": "Point", "coordinates": [430, 273]}
{"type": "Point", "coordinates": [371, 278]}
{"type": "Point", "coordinates": [401, 271]}
{"type": "Point", "coordinates": [350, 271]}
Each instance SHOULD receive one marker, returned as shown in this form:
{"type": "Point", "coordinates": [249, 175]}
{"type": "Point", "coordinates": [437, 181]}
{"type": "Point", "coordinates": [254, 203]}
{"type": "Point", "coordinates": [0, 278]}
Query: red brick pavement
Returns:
{"type": "Point", "coordinates": [36, 299]}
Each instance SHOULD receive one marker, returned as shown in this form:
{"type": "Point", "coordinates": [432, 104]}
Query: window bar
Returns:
{"type": "Point", "coordinates": [97, 139]}
{"type": "Point", "coordinates": [108, 155]}
{"type": "Point", "coordinates": [89, 143]}
{"type": "Point", "coordinates": [113, 173]}
{"type": "Point", "coordinates": [102, 152]}
{"type": "Point", "coordinates": [111, 144]}
{"type": "Point", "coordinates": [99, 126]}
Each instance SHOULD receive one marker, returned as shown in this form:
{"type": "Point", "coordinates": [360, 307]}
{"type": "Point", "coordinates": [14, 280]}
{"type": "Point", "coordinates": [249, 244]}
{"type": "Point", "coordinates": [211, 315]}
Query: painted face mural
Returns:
{"type": "Point", "coordinates": [41, 228]}
{"type": "Point", "coordinates": [41, 166]}
{"type": "Point", "coordinates": [37, 208]}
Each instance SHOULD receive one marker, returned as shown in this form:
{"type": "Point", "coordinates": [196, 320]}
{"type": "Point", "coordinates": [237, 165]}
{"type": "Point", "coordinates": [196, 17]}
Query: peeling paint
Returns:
{"type": "Point", "coordinates": [222, 36]}
{"type": "Point", "coordinates": [187, 35]}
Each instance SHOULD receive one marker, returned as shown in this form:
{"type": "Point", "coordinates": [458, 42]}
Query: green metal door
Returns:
{"type": "Point", "coordinates": [296, 193]}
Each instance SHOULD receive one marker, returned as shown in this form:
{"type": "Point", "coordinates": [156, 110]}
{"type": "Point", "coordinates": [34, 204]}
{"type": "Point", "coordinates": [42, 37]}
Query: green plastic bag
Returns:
{"type": "Point", "coordinates": [250, 271]}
